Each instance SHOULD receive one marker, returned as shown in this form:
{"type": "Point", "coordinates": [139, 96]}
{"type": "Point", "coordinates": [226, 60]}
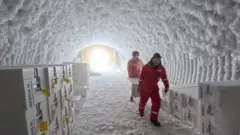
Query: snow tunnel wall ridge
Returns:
{"type": "Point", "coordinates": [200, 38]}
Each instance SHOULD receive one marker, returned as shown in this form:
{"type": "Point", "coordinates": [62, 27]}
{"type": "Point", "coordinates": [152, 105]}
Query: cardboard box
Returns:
{"type": "Point", "coordinates": [133, 87]}
{"type": "Point", "coordinates": [57, 125]}
{"type": "Point", "coordinates": [220, 107]}
{"type": "Point", "coordinates": [55, 105]}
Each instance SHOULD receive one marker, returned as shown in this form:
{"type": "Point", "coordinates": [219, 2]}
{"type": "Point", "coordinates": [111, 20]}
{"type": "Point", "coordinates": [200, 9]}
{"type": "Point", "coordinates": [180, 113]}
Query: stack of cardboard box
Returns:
{"type": "Point", "coordinates": [210, 108]}
{"type": "Point", "coordinates": [32, 100]}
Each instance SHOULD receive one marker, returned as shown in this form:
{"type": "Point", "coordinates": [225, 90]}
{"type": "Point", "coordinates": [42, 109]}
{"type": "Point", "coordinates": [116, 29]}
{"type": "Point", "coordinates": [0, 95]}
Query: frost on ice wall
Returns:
{"type": "Point", "coordinates": [200, 38]}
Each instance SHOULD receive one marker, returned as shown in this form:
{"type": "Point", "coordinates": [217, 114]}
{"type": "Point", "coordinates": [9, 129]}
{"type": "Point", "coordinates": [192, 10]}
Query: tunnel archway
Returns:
{"type": "Point", "coordinates": [101, 58]}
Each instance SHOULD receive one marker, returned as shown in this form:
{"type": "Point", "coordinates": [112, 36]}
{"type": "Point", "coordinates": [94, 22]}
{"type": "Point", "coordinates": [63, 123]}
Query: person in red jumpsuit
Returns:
{"type": "Point", "coordinates": [151, 73]}
{"type": "Point", "coordinates": [134, 67]}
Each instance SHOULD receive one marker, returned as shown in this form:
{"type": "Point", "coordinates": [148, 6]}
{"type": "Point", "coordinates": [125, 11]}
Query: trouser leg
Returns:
{"type": "Point", "coordinates": [131, 97]}
{"type": "Point", "coordinates": [143, 100]}
{"type": "Point", "coordinates": [156, 102]}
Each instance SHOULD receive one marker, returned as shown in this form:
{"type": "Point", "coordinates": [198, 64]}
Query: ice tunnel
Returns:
{"type": "Point", "coordinates": [198, 39]}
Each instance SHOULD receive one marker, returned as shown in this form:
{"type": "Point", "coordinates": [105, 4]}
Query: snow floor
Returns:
{"type": "Point", "coordinates": [108, 111]}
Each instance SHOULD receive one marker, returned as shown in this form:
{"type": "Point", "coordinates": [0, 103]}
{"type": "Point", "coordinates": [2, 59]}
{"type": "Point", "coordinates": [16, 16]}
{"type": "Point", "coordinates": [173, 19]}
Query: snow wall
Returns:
{"type": "Point", "coordinates": [199, 39]}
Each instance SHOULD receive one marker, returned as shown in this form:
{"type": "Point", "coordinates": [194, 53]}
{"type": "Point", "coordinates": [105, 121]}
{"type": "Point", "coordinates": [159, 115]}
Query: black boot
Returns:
{"type": "Point", "coordinates": [141, 114]}
{"type": "Point", "coordinates": [131, 99]}
{"type": "Point", "coordinates": [156, 123]}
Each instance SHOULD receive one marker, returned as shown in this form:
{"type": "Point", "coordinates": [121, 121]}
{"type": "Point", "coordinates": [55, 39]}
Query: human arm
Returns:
{"type": "Point", "coordinates": [142, 76]}
{"type": "Point", "coordinates": [141, 64]}
{"type": "Point", "coordinates": [165, 80]}
{"type": "Point", "coordinates": [129, 68]}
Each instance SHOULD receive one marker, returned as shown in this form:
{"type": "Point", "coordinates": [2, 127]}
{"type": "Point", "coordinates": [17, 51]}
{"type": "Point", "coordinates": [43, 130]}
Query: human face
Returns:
{"type": "Point", "coordinates": [156, 61]}
{"type": "Point", "coordinates": [136, 56]}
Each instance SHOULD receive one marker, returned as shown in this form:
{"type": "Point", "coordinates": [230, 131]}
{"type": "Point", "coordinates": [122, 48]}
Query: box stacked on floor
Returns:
{"type": "Point", "coordinates": [165, 98]}
{"type": "Point", "coordinates": [31, 100]}
{"type": "Point", "coordinates": [19, 109]}
{"type": "Point", "coordinates": [209, 108]}
{"type": "Point", "coordinates": [67, 99]}
{"type": "Point", "coordinates": [80, 78]}
{"type": "Point", "coordinates": [220, 108]}
{"type": "Point", "coordinates": [189, 105]}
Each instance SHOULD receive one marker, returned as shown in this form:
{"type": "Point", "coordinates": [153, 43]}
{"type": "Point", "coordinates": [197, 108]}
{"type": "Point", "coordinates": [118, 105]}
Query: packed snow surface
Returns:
{"type": "Point", "coordinates": [200, 38]}
{"type": "Point", "coordinates": [108, 111]}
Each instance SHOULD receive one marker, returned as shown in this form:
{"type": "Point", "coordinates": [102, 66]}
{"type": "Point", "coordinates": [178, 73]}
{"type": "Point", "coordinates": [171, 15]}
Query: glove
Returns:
{"type": "Point", "coordinates": [166, 90]}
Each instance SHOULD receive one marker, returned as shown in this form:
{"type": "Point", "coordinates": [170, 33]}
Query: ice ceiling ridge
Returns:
{"type": "Point", "coordinates": [199, 37]}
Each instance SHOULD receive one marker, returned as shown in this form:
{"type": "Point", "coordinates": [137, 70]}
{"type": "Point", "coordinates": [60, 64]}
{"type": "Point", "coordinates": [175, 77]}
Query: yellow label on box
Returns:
{"type": "Point", "coordinates": [66, 80]}
{"type": "Point", "coordinates": [57, 134]}
{"type": "Point", "coordinates": [43, 126]}
{"type": "Point", "coordinates": [45, 92]}
{"type": "Point", "coordinates": [68, 99]}
{"type": "Point", "coordinates": [54, 110]}
{"type": "Point", "coordinates": [54, 84]}
{"type": "Point", "coordinates": [67, 120]}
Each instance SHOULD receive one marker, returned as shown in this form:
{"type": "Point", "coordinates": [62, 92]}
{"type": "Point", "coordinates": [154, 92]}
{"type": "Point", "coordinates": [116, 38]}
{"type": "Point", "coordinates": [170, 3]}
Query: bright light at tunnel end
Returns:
{"type": "Point", "coordinates": [99, 61]}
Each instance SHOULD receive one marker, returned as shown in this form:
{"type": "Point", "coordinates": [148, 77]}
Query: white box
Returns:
{"type": "Point", "coordinates": [43, 109]}
{"type": "Point", "coordinates": [71, 89]}
{"type": "Point", "coordinates": [71, 105]}
{"type": "Point", "coordinates": [206, 94]}
{"type": "Point", "coordinates": [190, 103]}
{"type": "Point", "coordinates": [208, 110]}
{"type": "Point", "coordinates": [177, 109]}
{"type": "Point", "coordinates": [165, 98]}
{"type": "Point", "coordinates": [66, 96]}
{"type": "Point", "coordinates": [42, 115]}
{"type": "Point", "coordinates": [65, 91]}
{"type": "Point", "coordinates": [78, 103]}
{"type": "Point", "coordinates": [67, 124]}
{"type": "Point", "coordinates": [68, 68]}
{"type": "Point", "coordinates": [64, 73]}
{"type": "Point", "coordinates": [19, 92]}
{"type": "Point", "coordinates": [31, 126]}
{"type": "Point", "coordinates": [45, 72]}
{"type": "Point", "coordinates": [80, 91]}
{"type": "Point", "coordinates": [68, 112]}
{"type": "Point", "coordinates": [30, 97]}
{"type": "Point", "coordinates": [132, 85]}
{"type": "Point", "coordinates": [25, 127]}
{"type": "Point", "coordinates": [176, 96]}
{"type": "Point", "coordinates": [166, 102]}
{"type": "Point", "coordinates": [54, 105]}
{"type": "Point", "coordinates": [176, 104]}
{"type": "Point", "coordinates": [191, 90]}
{"type": "Point", "coordinates": [55, 78]}
{"type": "Point", "coordinates": [80, 74]}
{"type": "Point", "coordinates": [62, 100]}
{"type": "Point", "coordinates": [17, 95]}
{"type": "Point", "coordinates": [46, 78]}
{"type": "Point", "coordinates": [191, 118]}
{"type": "Point", "coordinates": [223, 98]}
{"type": "Point", "coordinates": [56, 126]}
{"type": "Point", "coordinates": [68, 129]}
{"type": "Point", "coordinates": [207, 128]}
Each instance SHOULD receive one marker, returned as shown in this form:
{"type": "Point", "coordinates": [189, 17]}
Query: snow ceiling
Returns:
{"type": "Point", "coordinates": [198, 37]}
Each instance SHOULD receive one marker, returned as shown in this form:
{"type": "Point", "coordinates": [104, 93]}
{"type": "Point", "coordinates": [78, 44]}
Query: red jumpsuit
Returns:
{"type": "Point", "coordinates": [148, 84]}
{"type": "Point", "coordinates": [134, 68]}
